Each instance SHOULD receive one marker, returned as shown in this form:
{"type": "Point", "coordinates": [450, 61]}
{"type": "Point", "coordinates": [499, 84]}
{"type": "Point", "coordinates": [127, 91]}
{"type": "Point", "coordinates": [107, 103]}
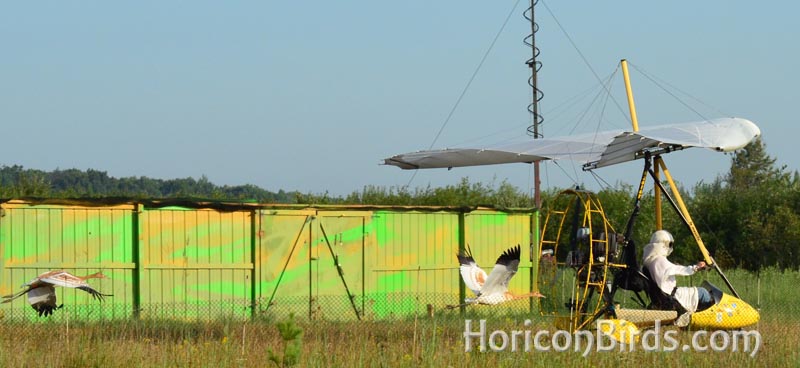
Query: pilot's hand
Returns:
{"type": "Point", "coordinates": [700, 266]}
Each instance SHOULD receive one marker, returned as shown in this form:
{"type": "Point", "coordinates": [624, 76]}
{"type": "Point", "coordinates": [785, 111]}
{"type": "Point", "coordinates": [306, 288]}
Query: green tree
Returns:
{"type": "Point", "coordinates": [32, 184]}
{"type": "Point", "coordinates": [292, 341]}
{"type": "Point", "coordinates": [750, 216]}
{"type": "Point", "coordinates": [751, 167]}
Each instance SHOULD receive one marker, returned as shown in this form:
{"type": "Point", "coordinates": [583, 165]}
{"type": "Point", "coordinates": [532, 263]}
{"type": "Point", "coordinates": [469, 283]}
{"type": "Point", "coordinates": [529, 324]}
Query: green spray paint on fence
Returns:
{"type": "Point", "coordinates": [202, 260]}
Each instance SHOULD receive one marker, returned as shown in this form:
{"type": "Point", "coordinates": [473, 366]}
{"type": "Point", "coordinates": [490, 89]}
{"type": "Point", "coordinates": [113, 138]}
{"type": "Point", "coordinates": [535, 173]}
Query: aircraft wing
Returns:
{"type": "Point", "coordinates": [593, 149]}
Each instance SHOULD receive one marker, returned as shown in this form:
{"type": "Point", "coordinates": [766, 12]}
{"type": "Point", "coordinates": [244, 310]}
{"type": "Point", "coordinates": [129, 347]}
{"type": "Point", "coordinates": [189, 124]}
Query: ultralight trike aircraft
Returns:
{"type": "Point", "coordinates": [583, 260]}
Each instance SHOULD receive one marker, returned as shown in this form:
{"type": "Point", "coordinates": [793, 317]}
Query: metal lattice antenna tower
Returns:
{"type": "Point", "coordinates": [533, 108]}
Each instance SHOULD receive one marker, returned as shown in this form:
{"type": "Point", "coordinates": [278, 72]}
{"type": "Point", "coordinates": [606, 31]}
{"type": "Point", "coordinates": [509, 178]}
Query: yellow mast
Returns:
{"type": "Point", "coordinates": [629, 91]}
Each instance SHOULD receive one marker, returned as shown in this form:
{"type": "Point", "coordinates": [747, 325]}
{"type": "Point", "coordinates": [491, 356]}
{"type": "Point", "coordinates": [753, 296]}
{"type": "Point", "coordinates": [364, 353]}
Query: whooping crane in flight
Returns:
{"type": "Point", "coordinates": [42, 293]}
{"type": "Point", "coordinates": [491, 289]}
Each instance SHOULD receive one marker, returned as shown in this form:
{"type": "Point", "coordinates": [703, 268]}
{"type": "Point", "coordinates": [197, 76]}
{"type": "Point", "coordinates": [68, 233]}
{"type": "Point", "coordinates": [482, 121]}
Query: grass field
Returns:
{"type": "Point", "coordinates": [410, 342]}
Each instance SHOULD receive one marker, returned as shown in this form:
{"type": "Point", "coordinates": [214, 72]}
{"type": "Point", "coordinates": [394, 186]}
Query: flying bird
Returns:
{"type": "Point", "coordinates": [491, 289]}
{"type": "Point", "coordinates": [42, 293]}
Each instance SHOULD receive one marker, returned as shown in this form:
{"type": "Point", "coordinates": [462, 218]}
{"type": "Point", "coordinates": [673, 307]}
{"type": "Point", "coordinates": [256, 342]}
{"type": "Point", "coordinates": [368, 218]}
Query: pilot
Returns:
{"type": "Point", "coordinates": [663, 272]}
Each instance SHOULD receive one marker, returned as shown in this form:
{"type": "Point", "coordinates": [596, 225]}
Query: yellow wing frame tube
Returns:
{"type": "Point", "coordinates": [679, 200]}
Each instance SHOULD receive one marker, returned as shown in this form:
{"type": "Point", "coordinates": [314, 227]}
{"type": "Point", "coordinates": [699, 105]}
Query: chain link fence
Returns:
{"type": "Point", "coordinates": [376, 307]}
{"type": "Point", "coordinates": [772, 293]}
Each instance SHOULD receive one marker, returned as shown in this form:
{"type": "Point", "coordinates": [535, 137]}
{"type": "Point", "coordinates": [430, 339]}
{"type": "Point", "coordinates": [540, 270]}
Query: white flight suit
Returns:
{"type": "Point", "coordinates": [663, 273]}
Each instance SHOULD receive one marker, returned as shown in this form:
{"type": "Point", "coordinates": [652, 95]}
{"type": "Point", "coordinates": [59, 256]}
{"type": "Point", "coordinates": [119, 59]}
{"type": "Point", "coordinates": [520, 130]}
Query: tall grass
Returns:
{"type": "Point", "coordinates": [439, 343]}
{"type": "Point", "coordinates": [436, 341]}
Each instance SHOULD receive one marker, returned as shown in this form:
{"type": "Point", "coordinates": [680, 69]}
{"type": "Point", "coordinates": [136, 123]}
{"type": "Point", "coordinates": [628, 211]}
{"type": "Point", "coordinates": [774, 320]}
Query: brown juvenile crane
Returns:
{"type": "Point", "coordinates": [42, 293]}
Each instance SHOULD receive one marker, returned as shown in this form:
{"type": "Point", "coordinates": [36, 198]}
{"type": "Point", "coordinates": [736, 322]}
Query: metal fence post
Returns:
{"type": "Point", "coordinates": [137, 260]}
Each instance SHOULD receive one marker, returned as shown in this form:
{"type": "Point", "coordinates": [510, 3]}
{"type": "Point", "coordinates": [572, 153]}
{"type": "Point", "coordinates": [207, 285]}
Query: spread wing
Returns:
{"type": "Point", "coordinates": [474, 277]}
{"type": "Point", "coordinates": [504, 269]}
{"type": "Point", "coordinates": [593, 150]}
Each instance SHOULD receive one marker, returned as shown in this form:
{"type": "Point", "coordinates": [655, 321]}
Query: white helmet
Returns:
{"type": "Point", "coordinates": [660, 245]}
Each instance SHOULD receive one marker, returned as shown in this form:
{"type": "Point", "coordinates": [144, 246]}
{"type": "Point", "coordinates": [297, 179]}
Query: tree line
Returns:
{"type": "Point", "coordinates": [18, 182]}
{"type": "Point", "coordinates": [748, 217]}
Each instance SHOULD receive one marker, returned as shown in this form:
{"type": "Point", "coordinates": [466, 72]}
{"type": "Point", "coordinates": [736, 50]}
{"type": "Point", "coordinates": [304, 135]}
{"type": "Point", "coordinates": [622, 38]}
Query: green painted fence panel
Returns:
{"type": "Point", "coordinates": [195, 263]}
{"type": "Point", "coordinates": [81, 240]}
{"type": "Point", "coordinates": [412, 263]}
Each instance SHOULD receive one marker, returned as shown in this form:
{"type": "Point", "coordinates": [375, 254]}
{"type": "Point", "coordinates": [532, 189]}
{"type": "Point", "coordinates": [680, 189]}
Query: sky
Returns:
{"type": "Point", "coordinates": [312, 96]}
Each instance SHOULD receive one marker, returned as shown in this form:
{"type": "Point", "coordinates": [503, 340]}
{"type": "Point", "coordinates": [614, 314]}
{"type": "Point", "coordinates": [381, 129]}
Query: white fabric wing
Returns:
{"type": "Point", "coordinates": [594, 149]}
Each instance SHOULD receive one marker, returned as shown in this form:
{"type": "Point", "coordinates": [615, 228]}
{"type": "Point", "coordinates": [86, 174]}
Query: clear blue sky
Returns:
{"type": "Point", "coordinates": [311, 96]}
